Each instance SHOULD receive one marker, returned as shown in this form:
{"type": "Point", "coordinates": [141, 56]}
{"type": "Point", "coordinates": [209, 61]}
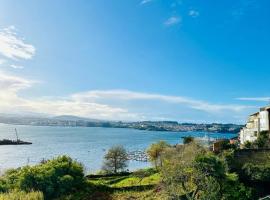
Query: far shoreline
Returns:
{"type": "Point", "coordinates": [138, 129]}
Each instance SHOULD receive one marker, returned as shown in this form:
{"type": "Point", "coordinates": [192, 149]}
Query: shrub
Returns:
{"type": "Point", "coordinates": [188, 139]}
{"type": "Point", "coordinates": [155, 152]}
{"type": "Point", "coordinates": [190, 172]}
{"type": "Point", "coordinates": [257, 172]}
{"type": "Point", "coordinates": [54, 178]}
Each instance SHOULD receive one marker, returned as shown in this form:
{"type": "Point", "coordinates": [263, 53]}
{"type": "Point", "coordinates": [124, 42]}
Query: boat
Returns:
{"type": "Point", "coordinates": [14, 142]}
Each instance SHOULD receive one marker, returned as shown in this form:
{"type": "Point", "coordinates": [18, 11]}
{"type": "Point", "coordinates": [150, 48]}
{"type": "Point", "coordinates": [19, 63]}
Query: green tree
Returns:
{"type": "Point", "coordinates": [188, 139]}
{"type": "Point", "coordinates": [115, 159]}
{"type": "Point", "coordinates": [155, 152]}
{"type": "Point", "coordinates": [257, 172]}
{"type": "Point", "coordinates": [247, 145]}
{"type": "Point", "coordinates": [193, 173]}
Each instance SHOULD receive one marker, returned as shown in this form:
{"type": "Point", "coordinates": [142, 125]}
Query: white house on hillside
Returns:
{"type": "Point", "coordinates": [257, 122]}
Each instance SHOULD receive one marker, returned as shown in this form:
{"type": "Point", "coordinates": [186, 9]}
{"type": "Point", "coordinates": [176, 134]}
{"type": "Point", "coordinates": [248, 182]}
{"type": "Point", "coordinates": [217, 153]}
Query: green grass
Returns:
{"type": "Point", "coordinates": [20, 195]}
{"type": "Point", "coordinates": [138, 195]}
{"type": "Point", "coordinates": [152, 178]}
{"type": "Point", "coordinates": [127, 186]}
{"type": "Point", "coordinates": [135, 181]}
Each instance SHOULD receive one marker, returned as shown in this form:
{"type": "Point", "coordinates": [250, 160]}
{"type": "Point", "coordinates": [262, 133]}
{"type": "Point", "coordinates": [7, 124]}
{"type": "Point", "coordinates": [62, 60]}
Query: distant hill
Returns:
{"type": "Point", "coordinates": [75, 121]}
{"type": "Point", "coordinates": [74, 118]}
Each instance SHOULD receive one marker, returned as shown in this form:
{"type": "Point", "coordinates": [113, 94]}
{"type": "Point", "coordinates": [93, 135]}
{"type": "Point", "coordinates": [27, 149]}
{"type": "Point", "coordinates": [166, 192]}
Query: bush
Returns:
{"type": "Point", "coordinates": [190, 172]}
{"type": "Point", "coordinates": [54, 178]}
{"type": "Point", "coordinates": [188, 139]}
{"type": "Point", "coordinates": [234, 190]}
{"type": "Point", "coordinates": [257, 172]}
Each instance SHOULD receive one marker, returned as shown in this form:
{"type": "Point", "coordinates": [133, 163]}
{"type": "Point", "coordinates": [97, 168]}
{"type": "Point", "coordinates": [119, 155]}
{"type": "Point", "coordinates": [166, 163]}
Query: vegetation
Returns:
{"type": "Point", "coordinates": [194, 173]}
{"type": "Point", "coordinates": [53, 178]}
{"type": "Point", "coordinates": [155, 152]}
{"type": "Point", "coordinates": [188, 139]}
{"type": "Point", "coordinates": [20, 195]}
{"type": "Point", "coordinates": [115, 160]}
{"type": "Point", "coordinates": [257, 172]}
{"type": "Point", "coordinates": [188, 172]}
{"type": "Point", "coordinates": [263, 141]}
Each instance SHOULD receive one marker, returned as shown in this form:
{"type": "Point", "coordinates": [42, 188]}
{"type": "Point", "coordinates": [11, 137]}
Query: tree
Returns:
{"type": "Point", "coordinates": [257, 172]}
{"type": "Point", "coordinates": [115, 160]}
{"type": "Point", "coordinates": [155, 152]}
{"type": "Point", "coordinates": [193, 173]}
{"type": "Point", "coordinates": [188, 139]}
{"type": "Point", "coordinates": [247, 145]}
{"type": "Point", "coordinates": [181, 177]}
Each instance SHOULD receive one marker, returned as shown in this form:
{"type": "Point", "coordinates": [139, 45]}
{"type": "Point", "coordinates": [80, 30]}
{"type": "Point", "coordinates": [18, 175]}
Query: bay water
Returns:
{"type": "Point", "coordinates": [85, 144]}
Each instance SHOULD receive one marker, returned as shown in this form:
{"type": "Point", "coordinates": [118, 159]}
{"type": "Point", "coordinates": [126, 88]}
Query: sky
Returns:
{"type": "Point", "coordinates": [133, 60]}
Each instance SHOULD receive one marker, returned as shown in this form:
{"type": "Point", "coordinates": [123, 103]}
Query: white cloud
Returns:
{"type": "Point", "coordinates": [111, 104]}
{"type": "Point", "coordinates": [2, 61]}
{"type": "Point", "coordinates": [16, 66]}
{"type": "Point", "coordinates": [9, 83]}
{"type": "Point", "coordinates": [14, 47]}
{"type": "Point", "coordinates": [126, 95]}
{"type": "Point", "coordinates": [12, 102]}
{"type": "Point", "coordinates": [173, 21]}
{"type": "Point", "coordinates": [264, 99]}
{"type": "Point", "coordinates": [193, 13]}
{"type": "Point", "coordinates": [145, 1]}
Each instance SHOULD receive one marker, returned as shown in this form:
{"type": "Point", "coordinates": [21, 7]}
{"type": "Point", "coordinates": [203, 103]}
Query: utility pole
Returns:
{"type": "Point", "coordinates": [16, 135]}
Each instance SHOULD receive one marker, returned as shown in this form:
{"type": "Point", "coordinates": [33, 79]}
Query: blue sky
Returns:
{"type": "Point", "coordinates": [184, 60]}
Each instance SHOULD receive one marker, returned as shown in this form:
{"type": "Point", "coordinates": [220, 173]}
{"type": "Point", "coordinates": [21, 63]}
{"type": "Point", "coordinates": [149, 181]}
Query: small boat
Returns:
{"type": "Point", "coordinates": [14, 142]}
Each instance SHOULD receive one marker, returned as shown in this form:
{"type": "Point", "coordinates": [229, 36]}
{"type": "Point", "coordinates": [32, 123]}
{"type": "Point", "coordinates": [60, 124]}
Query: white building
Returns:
{"type": "Point", "coordinates": [256, 123]}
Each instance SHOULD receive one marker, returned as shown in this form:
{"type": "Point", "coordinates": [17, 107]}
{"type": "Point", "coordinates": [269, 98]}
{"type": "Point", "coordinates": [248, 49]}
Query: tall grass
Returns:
{"type": "Point", "coordinates": [20, 195]}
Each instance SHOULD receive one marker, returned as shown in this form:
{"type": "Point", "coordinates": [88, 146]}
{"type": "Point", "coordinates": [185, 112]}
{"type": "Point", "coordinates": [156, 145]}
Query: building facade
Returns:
{"type": "Point", "coordinates": [257, 122]}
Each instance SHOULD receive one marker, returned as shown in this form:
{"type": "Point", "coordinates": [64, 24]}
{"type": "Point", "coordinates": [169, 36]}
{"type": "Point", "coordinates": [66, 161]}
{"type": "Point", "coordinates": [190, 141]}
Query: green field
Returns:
{"type": "Point", "coordinates": [121, 187]}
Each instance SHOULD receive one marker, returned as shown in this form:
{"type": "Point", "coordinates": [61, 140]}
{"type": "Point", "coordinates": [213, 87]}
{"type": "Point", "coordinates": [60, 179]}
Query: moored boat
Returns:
{"type": "Point", "coordinates": [14, 142]}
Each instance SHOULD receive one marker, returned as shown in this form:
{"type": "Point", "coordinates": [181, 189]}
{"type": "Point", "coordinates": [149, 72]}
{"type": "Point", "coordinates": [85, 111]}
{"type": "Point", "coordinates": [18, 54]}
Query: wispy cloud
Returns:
{"type": "Point", "coordinates": [16, 66]}
{"type": "Point", "coordinates": [172, 21]}
{"type": "Point", "coordinates": [242, 7]}
{"type": "Point", "coordinates": [111, 104]}
{"type": "Point", "coordinates": [131, 95]}
{"type": "Point", "coordinates": [145, 1]}
{"type": "Point", "coordinates": [2, 61]}
{"type": "Point", "coordinates": [10, 85]}
{"type": "Point", "coordinates": [264, 99]}
{"type": "Point", "coordinates": [12, 102]}
{"type": "Point", "coordinates": [14, 47]}
{"type": "Point", "coordinates": [193, 13]}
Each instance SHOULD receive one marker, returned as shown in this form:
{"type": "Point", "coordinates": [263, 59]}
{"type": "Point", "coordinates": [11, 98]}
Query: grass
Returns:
{"type": "Point", "coordinates": [121, 187]}
{"type": "Point", "coordinates": [134, 195]}
{"type": "Point", "coordinates": [131, 181]}
{"type": "Point", "coordinates": [20, 195]}
{"type": "Point", "coordinates": [151, 177]}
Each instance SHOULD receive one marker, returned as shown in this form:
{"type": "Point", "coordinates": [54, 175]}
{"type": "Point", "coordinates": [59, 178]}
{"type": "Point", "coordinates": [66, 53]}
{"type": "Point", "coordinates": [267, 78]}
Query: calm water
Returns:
{"type": "Point", "coordinates": [87, 145]}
